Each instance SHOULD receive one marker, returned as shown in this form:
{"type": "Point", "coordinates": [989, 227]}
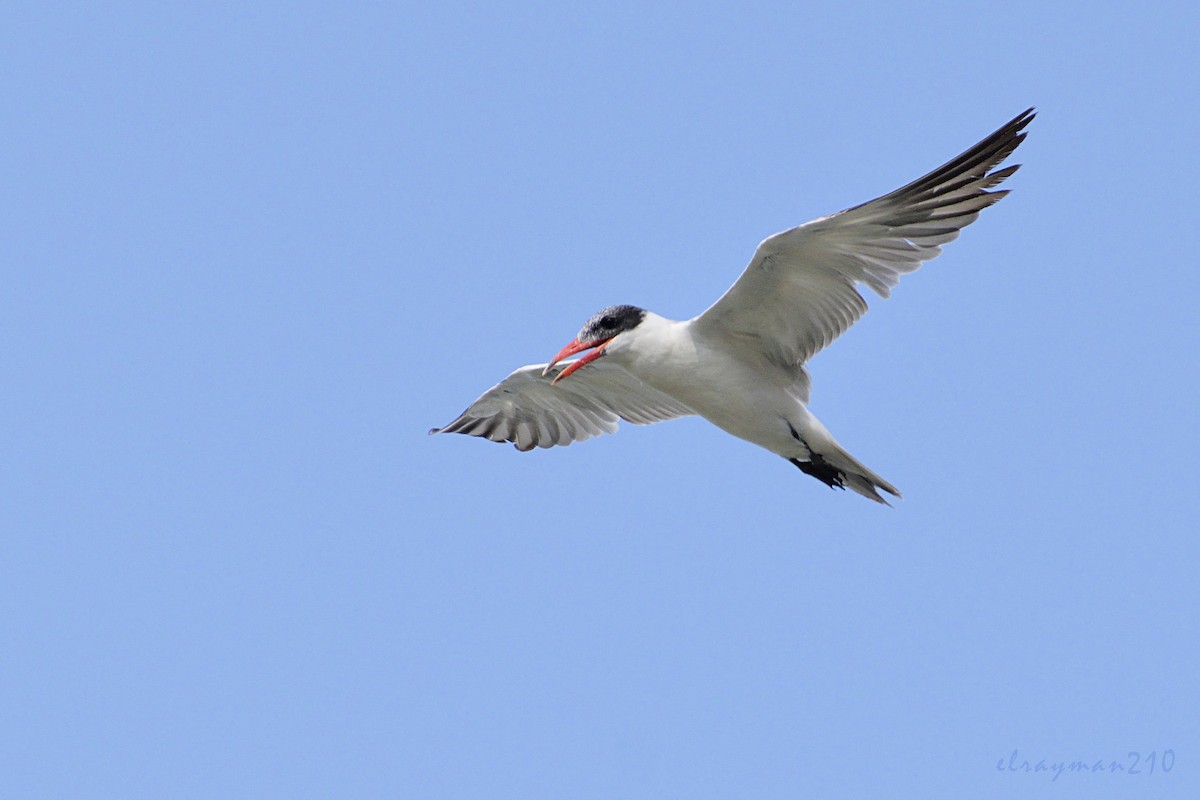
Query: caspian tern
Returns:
{"type": "Point", "coordinates": [740, 364]}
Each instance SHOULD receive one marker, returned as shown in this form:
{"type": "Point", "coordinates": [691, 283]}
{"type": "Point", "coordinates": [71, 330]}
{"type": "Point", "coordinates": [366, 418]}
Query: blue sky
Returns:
{"type": "Point", "coordinates": [254, 251]}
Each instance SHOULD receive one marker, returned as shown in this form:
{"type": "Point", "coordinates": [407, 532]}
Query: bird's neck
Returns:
{"type": "Point", "coordinates": [656, 344]}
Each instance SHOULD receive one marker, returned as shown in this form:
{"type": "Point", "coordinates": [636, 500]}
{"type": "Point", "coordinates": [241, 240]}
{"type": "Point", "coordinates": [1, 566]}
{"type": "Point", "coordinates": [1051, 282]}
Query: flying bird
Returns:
{"type": "Point", "coordinates": [740, 364]}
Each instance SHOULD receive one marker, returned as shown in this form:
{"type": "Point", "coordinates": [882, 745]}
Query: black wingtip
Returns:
{"type": "Point", "coordinates": [432, 431]}
{"type": "Point", "coordinates": [1020, 122]}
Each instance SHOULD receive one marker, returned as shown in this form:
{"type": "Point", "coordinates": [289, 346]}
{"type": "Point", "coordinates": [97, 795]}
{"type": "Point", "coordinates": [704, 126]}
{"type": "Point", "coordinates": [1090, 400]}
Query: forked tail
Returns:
{"type": "Point", "coordinates": [829, 463]}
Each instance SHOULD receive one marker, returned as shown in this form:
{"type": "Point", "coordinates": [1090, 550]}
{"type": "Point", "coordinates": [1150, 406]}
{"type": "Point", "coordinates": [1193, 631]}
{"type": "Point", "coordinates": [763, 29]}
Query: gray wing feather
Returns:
{"type": "Point", "coordinates": [798, 294]}
{"type": "Point", "coordinates": [528, 411]}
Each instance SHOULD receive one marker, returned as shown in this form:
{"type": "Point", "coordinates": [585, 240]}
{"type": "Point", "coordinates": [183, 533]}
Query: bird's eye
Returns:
{"type": "Point", "coordinates": [608, 322]}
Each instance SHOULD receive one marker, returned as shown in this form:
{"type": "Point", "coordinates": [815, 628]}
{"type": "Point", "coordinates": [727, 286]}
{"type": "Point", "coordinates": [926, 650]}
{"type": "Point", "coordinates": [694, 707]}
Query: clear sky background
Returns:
{"type": "Point", "coordinates": [252, 252]}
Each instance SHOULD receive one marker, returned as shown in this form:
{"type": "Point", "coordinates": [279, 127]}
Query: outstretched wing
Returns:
{"type": "Point", "coordinates": [798, 294]}
{"type": "Point", "coordinates": [528, 411]}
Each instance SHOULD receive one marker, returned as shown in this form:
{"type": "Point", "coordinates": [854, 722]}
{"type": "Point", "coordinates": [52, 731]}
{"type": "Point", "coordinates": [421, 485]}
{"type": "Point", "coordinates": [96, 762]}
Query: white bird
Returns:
{"type": "Point", "coordinates": [740, 364]}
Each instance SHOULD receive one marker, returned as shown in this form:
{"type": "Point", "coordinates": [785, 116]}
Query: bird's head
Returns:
{"type": "Point", "coordinates": [596, 334]}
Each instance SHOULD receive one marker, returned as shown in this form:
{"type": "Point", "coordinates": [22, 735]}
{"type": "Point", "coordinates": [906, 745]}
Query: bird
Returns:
{"type": "Point", "coordinates": [741, 363]}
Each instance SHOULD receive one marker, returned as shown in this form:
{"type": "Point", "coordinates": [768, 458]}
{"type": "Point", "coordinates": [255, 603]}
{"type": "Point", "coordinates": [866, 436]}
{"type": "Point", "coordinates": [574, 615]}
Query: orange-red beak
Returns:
{"type": "Point", "coordinates": [573, 348]}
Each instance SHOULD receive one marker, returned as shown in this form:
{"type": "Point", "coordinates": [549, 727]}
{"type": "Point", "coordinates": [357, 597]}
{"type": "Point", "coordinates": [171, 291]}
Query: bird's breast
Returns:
{"type": "Point", "coordinates": [735, 393]}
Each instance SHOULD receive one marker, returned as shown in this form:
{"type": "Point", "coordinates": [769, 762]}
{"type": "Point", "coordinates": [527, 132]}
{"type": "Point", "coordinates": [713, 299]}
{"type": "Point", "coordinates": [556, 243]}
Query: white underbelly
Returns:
{"type": "Point", "coordinates": [743, 402]}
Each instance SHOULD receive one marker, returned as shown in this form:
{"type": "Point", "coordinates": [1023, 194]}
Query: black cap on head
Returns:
{"type": "Point", "coordinates": [611, 321]}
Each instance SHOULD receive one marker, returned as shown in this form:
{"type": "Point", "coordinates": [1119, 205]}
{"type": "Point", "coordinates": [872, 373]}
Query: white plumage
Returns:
{"type": "Point", "coordinates": [528, 411]}
{"type": "Point", "coordinates": [740, 364]}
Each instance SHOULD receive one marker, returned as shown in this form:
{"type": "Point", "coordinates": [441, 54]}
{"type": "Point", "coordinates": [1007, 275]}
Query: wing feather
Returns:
{"type": "Point", "coordinates": [798, 293]}
{"type": "Point", "coordinates": [528, 411]}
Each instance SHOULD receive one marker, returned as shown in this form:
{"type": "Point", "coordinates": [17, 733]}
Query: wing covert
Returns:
{"type": "Point", "coordinates": [528, 411]}
{"type": "Point", "coordinates": [799, 292]}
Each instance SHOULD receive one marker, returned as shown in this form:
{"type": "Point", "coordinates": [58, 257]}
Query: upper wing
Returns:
{"type": "Point", "coordinates": [798, 294]}
{"type": "Point", "coordinates": [526, 410]}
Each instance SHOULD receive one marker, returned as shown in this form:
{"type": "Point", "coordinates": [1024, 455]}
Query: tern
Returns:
{"type": "Point", "coordinates": [740, 364]}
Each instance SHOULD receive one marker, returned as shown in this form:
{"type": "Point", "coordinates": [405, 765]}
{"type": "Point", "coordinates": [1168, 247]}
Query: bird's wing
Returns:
{"type": "Point", "coordinates": [528, 411]}
{"type": "Point", "coordinates": [798, 294]}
